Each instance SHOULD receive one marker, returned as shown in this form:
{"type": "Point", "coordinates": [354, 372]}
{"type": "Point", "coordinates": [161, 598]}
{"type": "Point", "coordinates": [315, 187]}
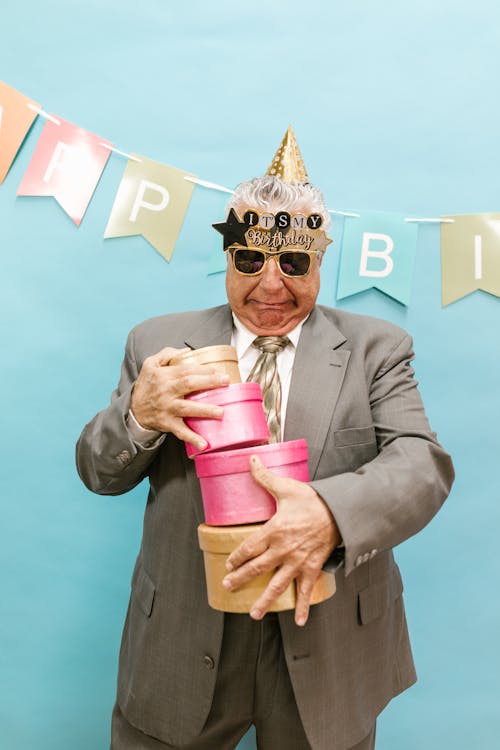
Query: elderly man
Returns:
{"type": "Point", "coordinates": [194, 678]}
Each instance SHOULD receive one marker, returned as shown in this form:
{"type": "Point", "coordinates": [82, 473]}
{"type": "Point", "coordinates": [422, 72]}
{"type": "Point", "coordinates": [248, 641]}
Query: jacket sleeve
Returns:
{"type": "Point", "coordinates": [392, 497]}
{"type": "Point", "coordinates": [109, 462]}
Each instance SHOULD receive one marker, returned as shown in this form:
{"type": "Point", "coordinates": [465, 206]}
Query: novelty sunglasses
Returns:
{"type": "Point", "coordinates": [251, 261]}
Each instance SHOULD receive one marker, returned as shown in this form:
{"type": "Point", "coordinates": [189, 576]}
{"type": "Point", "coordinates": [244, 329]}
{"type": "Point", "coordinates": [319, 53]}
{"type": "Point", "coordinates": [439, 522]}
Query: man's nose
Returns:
{"type": "Point", "coordinates": [271, 277]}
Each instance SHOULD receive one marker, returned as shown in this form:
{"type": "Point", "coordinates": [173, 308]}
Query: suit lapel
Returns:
{"type": "Point", "coordinates": [318, 373]}
{"type": "Point", "coordinates": [216, 329]}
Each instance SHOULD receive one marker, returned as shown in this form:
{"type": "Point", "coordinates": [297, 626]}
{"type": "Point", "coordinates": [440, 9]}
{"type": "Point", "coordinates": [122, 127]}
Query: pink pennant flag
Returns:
{"type": "Point", "coordinates": [67, 164]}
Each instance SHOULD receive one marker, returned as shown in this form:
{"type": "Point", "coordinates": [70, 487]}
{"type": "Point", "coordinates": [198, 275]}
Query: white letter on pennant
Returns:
{"type": "Point", "coordinates": [382, 254]}
{"type": "Point", "coordinates": [478, 257]}
{"type": "Point", "coordinates": [140, 203]}
{"type": "Point", "coordinates": [56, 160]}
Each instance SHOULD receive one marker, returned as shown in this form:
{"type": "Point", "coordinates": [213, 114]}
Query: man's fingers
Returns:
{"type": "Point", "coordinates": [257, 566]}
{"type": "Point", "coordinates": [186, 380]}
{"type": "Point", "coordinates": [276, 586]}
{"type": "Point", "coordinates": [182, 431]}
{"type": "Point", "coordinates": [304, 585]}
{"type": "Point", "coordinates": [185, 408]}
{"type": "Point", "coordinates": [280, 581]}
{"type": "Point", "coordinates": [164, 356]}
{"type": "Point", "coordinates": [256, 544]}
{"type": "Point", "coordinates": [265, 477]}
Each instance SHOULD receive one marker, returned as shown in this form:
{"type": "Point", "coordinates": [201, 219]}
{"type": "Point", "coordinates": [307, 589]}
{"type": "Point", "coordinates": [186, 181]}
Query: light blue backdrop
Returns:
{"type": "Point", "coordinates": [395, 106]}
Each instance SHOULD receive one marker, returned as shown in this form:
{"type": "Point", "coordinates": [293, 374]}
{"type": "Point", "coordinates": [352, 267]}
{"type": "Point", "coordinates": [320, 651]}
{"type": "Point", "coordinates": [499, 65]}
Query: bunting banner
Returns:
{"type": "Point", "coordinates": [470, 256]}
{"type": "Point", "coordinates": [378, 250]}
{"type": "Point", "coordinates": [17, 115]}
{"type": "Point", "coordinates": [66, 165]}
{"type": "Point", "coordinates": [151, 201]}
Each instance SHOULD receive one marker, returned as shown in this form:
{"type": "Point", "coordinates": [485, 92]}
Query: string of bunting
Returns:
{"type": "Point", "coordinates": [378, 248]}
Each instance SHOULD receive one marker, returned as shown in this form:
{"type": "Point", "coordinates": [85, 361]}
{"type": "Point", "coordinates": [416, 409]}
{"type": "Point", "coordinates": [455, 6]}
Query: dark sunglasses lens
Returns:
{"type": "Point", "coordinates": [248, 261]}
{"type": "Point", "coordinates": [295, 264]}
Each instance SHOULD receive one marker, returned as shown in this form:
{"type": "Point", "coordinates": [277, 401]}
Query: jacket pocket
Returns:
{"type": "Point", "coordinates": [378, 597]}
{"type": "Point", "coordinates": [354, 436]}
{"type": "Point", "coordinates": [143, 589]}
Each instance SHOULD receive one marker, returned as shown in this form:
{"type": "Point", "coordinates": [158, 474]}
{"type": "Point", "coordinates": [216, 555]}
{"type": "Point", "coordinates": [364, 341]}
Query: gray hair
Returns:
{"type": "Point", "coordinates": [272, 194]}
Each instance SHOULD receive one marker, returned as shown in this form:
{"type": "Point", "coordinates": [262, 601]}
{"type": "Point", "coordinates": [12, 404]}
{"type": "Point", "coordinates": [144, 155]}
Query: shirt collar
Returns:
{"type": "Point", "coordinates": [243, 338]}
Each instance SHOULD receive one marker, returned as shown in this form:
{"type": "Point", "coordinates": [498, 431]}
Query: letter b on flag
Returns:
{"type": "Point", "coordinates": [384, 255]}
{"type": "Point", "coordinates": [378, 250]}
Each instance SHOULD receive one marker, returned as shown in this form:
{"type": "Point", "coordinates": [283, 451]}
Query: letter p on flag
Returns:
{"type": "Point", "coordinates": [139, 201]}
{"type": "Point", "coordinates": [151, 201]}
{"type": "Point", "coordinates": [378, 250]}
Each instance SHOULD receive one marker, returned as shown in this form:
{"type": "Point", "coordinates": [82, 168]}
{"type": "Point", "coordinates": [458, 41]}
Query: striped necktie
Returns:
{"type": "Point", "coordinates": [265, 372]}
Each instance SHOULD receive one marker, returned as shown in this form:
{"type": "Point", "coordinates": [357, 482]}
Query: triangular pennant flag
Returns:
{"type": "Point", "coordinates": [378, 250]}
{"type": "Point", "coordinates": [17, 114]}
{"type": "Point", "coordinates": [151, 201]}
{"type": "Point", "coordinates": [470, 255]}
{"type": "Point", "coordinates": [67, 164]}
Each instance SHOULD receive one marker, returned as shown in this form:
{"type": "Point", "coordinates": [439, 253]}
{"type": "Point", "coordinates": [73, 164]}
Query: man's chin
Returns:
{"type": "Point", "coordinates": [271, 321]}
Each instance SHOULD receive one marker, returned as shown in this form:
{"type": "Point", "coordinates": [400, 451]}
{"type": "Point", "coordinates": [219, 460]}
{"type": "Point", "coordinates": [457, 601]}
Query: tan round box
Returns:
{"type": "Point", "coordinates": [222, 358]}
{"type": "Point", "coordinates": [217, 542]}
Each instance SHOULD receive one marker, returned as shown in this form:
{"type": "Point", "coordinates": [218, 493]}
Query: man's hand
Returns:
{"type": "Point", "coordinates": [158, 397]}
{"type": "Point", "coordinates": [297, 540]}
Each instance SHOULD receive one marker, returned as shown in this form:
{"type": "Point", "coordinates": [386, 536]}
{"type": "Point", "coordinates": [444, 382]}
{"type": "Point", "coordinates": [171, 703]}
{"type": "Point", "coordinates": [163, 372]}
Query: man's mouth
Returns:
{"type": "Point", "coordinates": [265, 303]}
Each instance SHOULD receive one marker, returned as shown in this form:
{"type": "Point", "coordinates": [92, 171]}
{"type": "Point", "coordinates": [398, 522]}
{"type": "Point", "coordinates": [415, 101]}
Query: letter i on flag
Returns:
{"type": "Point", "coordinates": [66, 164]}
{"type": "Point", "coordinates": [17, 114]}
{"type": "Point", "coordinates": [378, 250]}
{"type": "Point", "coordinates": [151, 201]}
{"type": "Point", "coordinates": [470, 256]}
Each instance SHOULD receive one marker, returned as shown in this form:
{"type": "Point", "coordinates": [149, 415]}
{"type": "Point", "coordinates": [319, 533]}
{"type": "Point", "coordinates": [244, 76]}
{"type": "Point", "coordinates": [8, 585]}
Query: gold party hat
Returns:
{"type": "Point", "coordinates": [287, 163]}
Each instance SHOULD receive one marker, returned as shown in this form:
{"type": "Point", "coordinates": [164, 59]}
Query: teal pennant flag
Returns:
{"type": "Point", "coordinates": [378, 250]}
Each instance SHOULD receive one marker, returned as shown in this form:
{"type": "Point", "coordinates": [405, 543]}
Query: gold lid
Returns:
{"type": "Point", "coordinates": [206, 355]}
{"type": "Point", "coordinates": [288, 163]}
{"type": "Point", "coordinates": [223, 539]}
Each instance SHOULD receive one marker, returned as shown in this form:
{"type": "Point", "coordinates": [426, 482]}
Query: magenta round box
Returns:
{"type": "Point", "coordinates": [244, 422]}
{"type": "Point", "coordinates": [230, 494]}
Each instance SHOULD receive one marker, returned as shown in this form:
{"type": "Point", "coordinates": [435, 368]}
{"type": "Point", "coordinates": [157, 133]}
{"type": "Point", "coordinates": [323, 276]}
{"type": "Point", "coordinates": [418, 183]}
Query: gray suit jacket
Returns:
{"type": "Point", "coordinates": [375, 462]}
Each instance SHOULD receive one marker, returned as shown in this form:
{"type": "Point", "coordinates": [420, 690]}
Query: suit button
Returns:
{"type": "Point", "coordinates": [124, 457]}
{"type": "Point", "coordinates": [208, 662]}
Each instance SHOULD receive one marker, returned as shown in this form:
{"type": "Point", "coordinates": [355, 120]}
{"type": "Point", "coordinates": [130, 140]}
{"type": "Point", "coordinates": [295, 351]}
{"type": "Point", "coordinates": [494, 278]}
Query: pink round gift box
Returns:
{"type": "Point", "coordinates": [230, 494]}
{"type": "Point", "coordinates": [244, 422]}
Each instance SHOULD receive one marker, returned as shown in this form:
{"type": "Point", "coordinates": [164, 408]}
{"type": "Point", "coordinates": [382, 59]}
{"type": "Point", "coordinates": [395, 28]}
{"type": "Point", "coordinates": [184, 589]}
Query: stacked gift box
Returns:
{"type": "Point", "coordinates": [234, 504]}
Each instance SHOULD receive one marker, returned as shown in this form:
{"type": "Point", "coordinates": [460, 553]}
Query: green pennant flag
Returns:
{"type": "Point", "coordinates": [470, 255]}
{"type": "Point", "coordinates": [151, 201]}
